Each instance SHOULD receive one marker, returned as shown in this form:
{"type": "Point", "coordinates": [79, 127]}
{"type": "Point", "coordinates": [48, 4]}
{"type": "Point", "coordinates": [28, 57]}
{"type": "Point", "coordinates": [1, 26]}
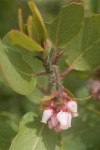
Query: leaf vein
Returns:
{"type": "Point", "coordinates": [34, 146]}
{"type": "Point", "coordinates": [87, 49]}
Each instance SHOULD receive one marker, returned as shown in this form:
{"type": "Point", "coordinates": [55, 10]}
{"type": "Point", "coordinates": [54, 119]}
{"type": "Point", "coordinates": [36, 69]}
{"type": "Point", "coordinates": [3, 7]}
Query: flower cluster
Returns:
{"type": "Point", "coordinates": [94, 88]}
{"type": "Point", "coordinates": [59, 117]}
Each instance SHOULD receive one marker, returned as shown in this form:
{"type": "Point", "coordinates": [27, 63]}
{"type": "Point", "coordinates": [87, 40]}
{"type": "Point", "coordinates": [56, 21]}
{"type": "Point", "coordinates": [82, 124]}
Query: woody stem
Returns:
{"type": "Point", "coordinates": [67, 71]}
{"type": "Point", "coordinates": [59, 86]}
{"type": "Point", "coordinates": [47, 66]}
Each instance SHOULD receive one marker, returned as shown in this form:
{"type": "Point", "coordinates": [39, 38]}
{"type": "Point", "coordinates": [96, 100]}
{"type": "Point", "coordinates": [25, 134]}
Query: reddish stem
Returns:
{"type": "Point", "coordinates": [67, 71]}
{"type": "Point", "coordinates": [56, 58]}
{"type": "Point", "coordinates": [41, 89]}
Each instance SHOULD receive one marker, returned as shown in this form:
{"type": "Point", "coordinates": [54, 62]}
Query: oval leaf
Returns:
{"type": "Point", "coordinates": [11, 62]}
{"type": "Point", "coordinates": [66, 25]}
{"type": "Point", "coordinates": [20, 20]}
{"type": "Point", "coordinates": [31, 29]}
{"type": "Point", "coordinates": [20, 39]}
{"type": "Point", "coordinates": [34, 136]}
{"type": "Point", "coordinates": [39, 26]}
{"type": "Point", "coordinates": [83, 53]}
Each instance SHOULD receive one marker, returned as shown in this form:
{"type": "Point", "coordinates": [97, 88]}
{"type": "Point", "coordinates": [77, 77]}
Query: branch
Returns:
{"type": "Point", "coordinates": [44, 91]}
{"type": "Point", "coordinates": [56, 57]}
{"type": "Point", "coordinates": [67, 71]}
{"type": "Point", "coordinates": [50, 84]}
{"type": "Point", "coordinates": [59, 86]}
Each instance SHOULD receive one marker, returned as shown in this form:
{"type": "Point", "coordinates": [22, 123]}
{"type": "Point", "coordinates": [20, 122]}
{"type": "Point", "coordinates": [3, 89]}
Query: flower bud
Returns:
{"type": "Point", "coordinates": [72, 107]}
{"type": "Point", "coordinates": [64, 119]}
{"type": "Point", "coordinates": [47, 113]}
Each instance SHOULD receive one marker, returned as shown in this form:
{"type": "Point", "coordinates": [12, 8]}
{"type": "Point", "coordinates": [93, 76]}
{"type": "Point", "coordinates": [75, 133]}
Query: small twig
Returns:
{"type": "Point", "coordinates": [44, 91]}
{"type": "Point", "coordinates": [76, 99]}
{"type": "Point", "coordinates": [56, 57]}
{"type": "Point", "coordinates": [67, 71]}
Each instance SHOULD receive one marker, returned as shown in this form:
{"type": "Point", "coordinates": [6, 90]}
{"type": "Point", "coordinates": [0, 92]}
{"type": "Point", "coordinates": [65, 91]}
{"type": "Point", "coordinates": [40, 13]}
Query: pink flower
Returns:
{"type": "Point", "coordinates": [94, 87]}
{"type": "Point", "coordinates": [64, 119]}
{"type": "Point", "coordinates": [54, 121]}
{"type": "Point", "coordinates": [72, 107]}
{"type": "Point", "coordinates": [57, 128]}
{"type": "Point", "coordinates": [59, 117]}
{"type": "Point", "coordinates": [47, 113]}
{"type": "Point", "coordinates": [50, 124]}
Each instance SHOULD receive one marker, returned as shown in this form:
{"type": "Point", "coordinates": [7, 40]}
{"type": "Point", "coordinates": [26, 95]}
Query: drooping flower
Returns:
{"type": "Point", "coordinates": [59, 115]}
{"type": "Point", "coordinates": [64, 119]}
{"type": "Point", "coordinates": [94, 88]}
{"type": "Point", "coordinates": [47, 113]}
{"type": "Point", "coordinates": [57, 128]}
{"type": "Point", "coordinates": [54, 121]}
{"type": "Point", "coordinates": [50, 124]}
{"type": "Point", "coordinates": [72, 107]}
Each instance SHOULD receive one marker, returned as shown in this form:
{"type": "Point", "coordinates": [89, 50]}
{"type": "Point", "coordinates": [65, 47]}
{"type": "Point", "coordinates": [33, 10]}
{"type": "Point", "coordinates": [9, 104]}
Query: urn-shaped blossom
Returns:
{"type": "Point", "coordinates": [47, 113]}
{"type": "Point", "coordinates": [57, 128]}
{"type": "Point", "coordinates": [53, 122]}
{"type": "Point", "coordinates": [64, 119]}
{"type": "Point", "coordinates": [72, 107]}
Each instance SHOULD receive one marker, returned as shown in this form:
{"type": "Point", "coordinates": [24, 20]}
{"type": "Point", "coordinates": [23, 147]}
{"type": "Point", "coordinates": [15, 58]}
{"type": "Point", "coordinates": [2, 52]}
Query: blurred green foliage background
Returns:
{"type": "Point", "coordinates": [85, 132]}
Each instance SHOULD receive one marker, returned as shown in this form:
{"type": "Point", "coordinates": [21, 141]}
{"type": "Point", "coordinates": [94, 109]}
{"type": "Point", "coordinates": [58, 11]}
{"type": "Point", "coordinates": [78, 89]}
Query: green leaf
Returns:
{"type": "Point", "coordinates": [39, 26]}
{"type": "Point", "coordinates": [66, 25]}
{"type": "Point", "coordinates": [34, 136]}
{"type": "Point", "coordinates": [22, 25]}
{"type": "Point", "coordinates": [83, 53]}
{"type": "Point", "coordinates": [31, 28]}
{"type": "Point", "coordinates": [20, 20]}
{"type": "Point", "coordinates": [35, 96]}
{"type": "Point", "coordinates": [20, 39]}
{"type": "Point", "coordinates": [95, 6]}
{"type": "Point", "coordinates": [28, 56]}
{"type": "Point", "coordinates": [7, 130]}
{"type": "Point", "coordinates": [11, 62]}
